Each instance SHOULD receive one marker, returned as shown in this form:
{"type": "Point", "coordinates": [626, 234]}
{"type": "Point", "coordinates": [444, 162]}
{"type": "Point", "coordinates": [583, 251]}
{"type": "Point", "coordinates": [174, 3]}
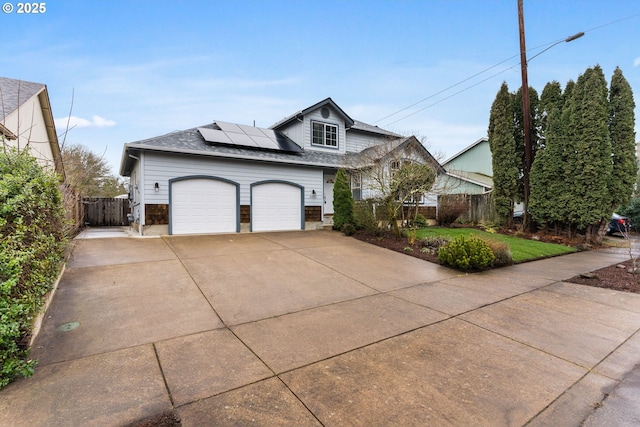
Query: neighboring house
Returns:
{"type": "Point", "coordinates": [224, 177]}
{"type": "Point", "coordinates": [26, 121]}
{"type": "Point", "coordinates": [468, 172]}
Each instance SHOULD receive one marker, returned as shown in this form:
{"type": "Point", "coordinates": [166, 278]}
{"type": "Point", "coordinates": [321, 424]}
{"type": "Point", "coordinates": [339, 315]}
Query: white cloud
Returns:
{"type": "Point", "coordinates": [78, 122]}
{"type": "Point", "coordinates": [636, 62]}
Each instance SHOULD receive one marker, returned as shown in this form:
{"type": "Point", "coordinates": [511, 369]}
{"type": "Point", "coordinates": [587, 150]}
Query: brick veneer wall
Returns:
{"type": "Point", "coordinates": [313, 213]}
{"type": "Point", "coordinates": [245, 214]}
{"type": "Point", "coordinates": [156, 214]}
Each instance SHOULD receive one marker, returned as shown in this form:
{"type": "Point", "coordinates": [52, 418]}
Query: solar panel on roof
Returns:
{"type": "Point", "coordinates": [213, 135]}
{"type": "Point", "coordinates": [229, 127]}
{"type": "Point", "coordinates": [241, 139]}
{"type": "Point", "coordinates": [249, 137]}
{"type": "Point", "coordinates": [251, 130]}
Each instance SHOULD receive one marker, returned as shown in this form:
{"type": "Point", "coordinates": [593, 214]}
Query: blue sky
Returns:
{"type": "Point", "coordinates": [138, 69]}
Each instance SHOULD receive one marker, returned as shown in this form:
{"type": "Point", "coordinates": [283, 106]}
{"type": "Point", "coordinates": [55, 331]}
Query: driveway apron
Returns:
{"type": "Point", "coordinates": [315, 328]}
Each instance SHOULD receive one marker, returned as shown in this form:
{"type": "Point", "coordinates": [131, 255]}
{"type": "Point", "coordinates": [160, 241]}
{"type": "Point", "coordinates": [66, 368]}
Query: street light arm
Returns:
{"type": "Point", "coordinates": [575, 36]}
{"type": "Point", "coordinates": [567, 40]}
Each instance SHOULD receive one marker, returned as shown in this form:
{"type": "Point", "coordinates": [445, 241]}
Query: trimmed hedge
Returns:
{"type": "Point", "coordinates": [32, 245]}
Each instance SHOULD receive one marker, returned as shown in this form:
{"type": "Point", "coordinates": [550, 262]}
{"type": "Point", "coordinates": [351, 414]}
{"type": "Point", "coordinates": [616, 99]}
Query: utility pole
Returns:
{"type": "Point", "coordinates": [526, 116]}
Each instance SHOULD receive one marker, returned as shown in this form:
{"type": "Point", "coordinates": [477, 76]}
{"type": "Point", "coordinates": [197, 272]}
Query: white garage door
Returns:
{"type": "Point", "coordinates": [276, 206]}
{"type": "Point", "coordinates": [201, 205]}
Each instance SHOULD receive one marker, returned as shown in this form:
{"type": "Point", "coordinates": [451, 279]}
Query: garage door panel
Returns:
{"type": "Point", "coordinates": [202, 205]}
{"type": "Point", "coordinates": [276, 206]}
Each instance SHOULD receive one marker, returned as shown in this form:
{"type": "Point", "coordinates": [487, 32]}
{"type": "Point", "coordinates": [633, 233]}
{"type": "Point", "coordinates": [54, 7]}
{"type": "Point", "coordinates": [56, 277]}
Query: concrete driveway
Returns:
{"type": "Point", "coordinates": [314, 328]}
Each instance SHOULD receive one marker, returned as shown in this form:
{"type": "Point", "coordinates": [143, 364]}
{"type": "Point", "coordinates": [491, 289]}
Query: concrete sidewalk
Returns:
{"type": "Point", "coordinates": [314, 328]}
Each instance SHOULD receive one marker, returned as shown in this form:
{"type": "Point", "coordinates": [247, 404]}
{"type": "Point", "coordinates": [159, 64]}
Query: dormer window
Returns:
{"type": "Point", "coordinates": [324, 134]}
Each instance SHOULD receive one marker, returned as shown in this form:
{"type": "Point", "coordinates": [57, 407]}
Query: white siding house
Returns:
{"type": "Point", "coordinates": [26, 121]}
{"type": "Point", "coordinates": [224, 177]}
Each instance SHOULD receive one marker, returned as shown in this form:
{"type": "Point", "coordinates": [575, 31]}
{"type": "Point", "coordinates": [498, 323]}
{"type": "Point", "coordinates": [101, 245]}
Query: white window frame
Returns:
{"type": "Point", "coordinates": [325, 133]}
{"type": "Point", "coordinates": [356, 186]}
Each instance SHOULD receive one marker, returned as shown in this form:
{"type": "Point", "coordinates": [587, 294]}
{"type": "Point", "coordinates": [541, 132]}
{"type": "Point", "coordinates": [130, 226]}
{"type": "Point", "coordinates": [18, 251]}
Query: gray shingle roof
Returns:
{"type": "Point", "coordinates": [14, 93]}
{"type": "Point", "coordinates": [190, 141]}
{"type": "Point", "coordinates": [365, 127]}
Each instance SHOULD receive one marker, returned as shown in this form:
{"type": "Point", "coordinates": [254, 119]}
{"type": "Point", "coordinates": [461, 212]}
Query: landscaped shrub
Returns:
{"type": "Point", "coordinates": [466, 253]}
{"type": "Point", "coordinates": [420, 221]}
{"type": "Point", "coordinates": [432, 244]}
{"type": "Point", "coordinates": [32, 245]}
{"type": "Point", "coordinates": [450, 208]}
{"type": "Point", "coordinates": [364, 216]}
{"type": "Point", "coordinates": [348, 229]}
{"type": "Point", "coordinates": [501, 252]}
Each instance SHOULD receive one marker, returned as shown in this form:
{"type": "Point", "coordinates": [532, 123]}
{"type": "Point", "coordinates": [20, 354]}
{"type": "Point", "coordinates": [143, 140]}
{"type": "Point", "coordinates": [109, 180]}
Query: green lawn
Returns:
{"type": "Point", "coordinates": [521, 249]}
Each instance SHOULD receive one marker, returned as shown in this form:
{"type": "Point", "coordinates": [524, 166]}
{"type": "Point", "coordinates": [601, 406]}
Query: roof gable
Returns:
{"type": "Point", "coordinates": [474, 158]}
{"type": "Point", "coordinates": [392, 148]}
{"type": "Point", "coordinates": [14, 93]}
{"type": "Point", "coordinates": [324, 103]}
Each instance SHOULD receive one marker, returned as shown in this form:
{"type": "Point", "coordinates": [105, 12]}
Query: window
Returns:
{"type": "Point", "coordinates": [356, 185]}
{"type": "Point", "coordinates": [394, 166]}
{"type": "Point", "coordinates": [324, 134]}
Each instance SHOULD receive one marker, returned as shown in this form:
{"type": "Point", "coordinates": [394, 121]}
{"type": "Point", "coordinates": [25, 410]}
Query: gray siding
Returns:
{"type": "Point", "coordinates": [358, 141]}
{"type": "Point", "coordinates": [161, 168]}
{"type": "Point", "coordinates": [334, 119]}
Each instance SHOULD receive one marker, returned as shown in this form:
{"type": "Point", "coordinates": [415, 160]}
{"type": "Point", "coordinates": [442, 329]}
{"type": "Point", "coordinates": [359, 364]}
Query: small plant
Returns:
{"type": "Point", "coordinates": [348, 229]}
{"type": "Point", "coordinates": [411, 235]}
{"type": "Point", "coordinates": [408, 249]}
{"type": "Point", "coordinates": [466, 253]}
{"type": "Point", "coordinates": [501, 252]}
{"type": "Point", "coordinates": [432, 244]}
{"type": "Point", "coordinates": [420, 221]}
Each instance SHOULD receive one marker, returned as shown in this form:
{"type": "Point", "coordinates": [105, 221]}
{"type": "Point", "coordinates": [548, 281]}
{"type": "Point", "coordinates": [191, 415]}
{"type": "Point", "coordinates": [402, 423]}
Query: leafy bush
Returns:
{"type": "Point", "coordinates": [501, 252]}
{"type": "Point", "coordinates": [364, 217]}
{"type": "Point", "coordinates": [420, 221]}
{"type": "Point", "coordinates": [348, 229]}
{"type": "Point", "coordinates": [32, 245]}
{"type": "Point", "coordinates": [432, 244]}
{"type": "Point", "coordinates": [450, 208]}
{"type": "Point", "coordinates": [466, 253]}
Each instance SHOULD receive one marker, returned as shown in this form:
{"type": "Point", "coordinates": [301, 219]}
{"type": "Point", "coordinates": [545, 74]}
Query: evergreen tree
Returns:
{"type": "Point", "coordinates": [591, 167]}
{"type": "Point", "coordinates": [621, 131]}
{"type": "Point", "coordinates": [548, 182]}
{"type": "Point", "coordinates": [502, 143]}
{"type": "Point", "coordinates": [342, 201]}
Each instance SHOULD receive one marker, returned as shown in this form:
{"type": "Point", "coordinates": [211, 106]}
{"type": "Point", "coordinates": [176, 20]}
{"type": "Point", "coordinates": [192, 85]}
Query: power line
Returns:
{"type": "Point", "coordinates": [545, 45]}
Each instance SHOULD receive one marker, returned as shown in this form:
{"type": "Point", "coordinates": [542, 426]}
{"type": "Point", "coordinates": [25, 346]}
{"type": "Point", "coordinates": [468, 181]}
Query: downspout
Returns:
{"type": "Point", "coordinates": [142, 194]}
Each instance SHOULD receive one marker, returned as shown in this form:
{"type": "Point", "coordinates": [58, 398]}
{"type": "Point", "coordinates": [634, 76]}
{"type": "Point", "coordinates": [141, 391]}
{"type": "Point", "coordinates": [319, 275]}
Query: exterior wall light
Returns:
{"type": "Point", "coordinates": [157, 187]}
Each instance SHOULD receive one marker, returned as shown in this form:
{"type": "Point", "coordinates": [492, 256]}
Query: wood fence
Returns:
{"type": "Point", "coordinates": [479, 207]}
{"type": "Point", "coordinates": [105, 212]}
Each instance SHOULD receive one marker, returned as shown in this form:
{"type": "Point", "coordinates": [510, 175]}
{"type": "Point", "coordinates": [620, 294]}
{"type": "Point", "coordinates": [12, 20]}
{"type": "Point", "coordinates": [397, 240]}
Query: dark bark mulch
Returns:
{"type": "Point", "coordinates": [615, 277]}
{"type": "Point", "coordinates": [389, 240]}
{"type": "Point", "coordinates": [612, 277]}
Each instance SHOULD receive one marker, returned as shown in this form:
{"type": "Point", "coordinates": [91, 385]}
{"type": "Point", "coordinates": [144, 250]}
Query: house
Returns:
{"type": "Point", "coordinates": [224, 177]}
{"type": "Point", "coordinates": [26, 121]}
{"type": "Point", "coordinates": [468, 172]}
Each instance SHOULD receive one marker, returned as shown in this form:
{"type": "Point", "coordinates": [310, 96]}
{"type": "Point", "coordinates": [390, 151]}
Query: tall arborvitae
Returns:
{"type": "Point", "coordinates": [590, 171]}
{"type": "Point", "coordinates": [342, 201]}
{"type": "Point", "coordinates": [518, 134]}
{"type": "Point", "coordinates": [502, 143]}
{"type": "Point", "coordinates": [622, 133]}
{"type": "Point", "coordinates": [548, 183]}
